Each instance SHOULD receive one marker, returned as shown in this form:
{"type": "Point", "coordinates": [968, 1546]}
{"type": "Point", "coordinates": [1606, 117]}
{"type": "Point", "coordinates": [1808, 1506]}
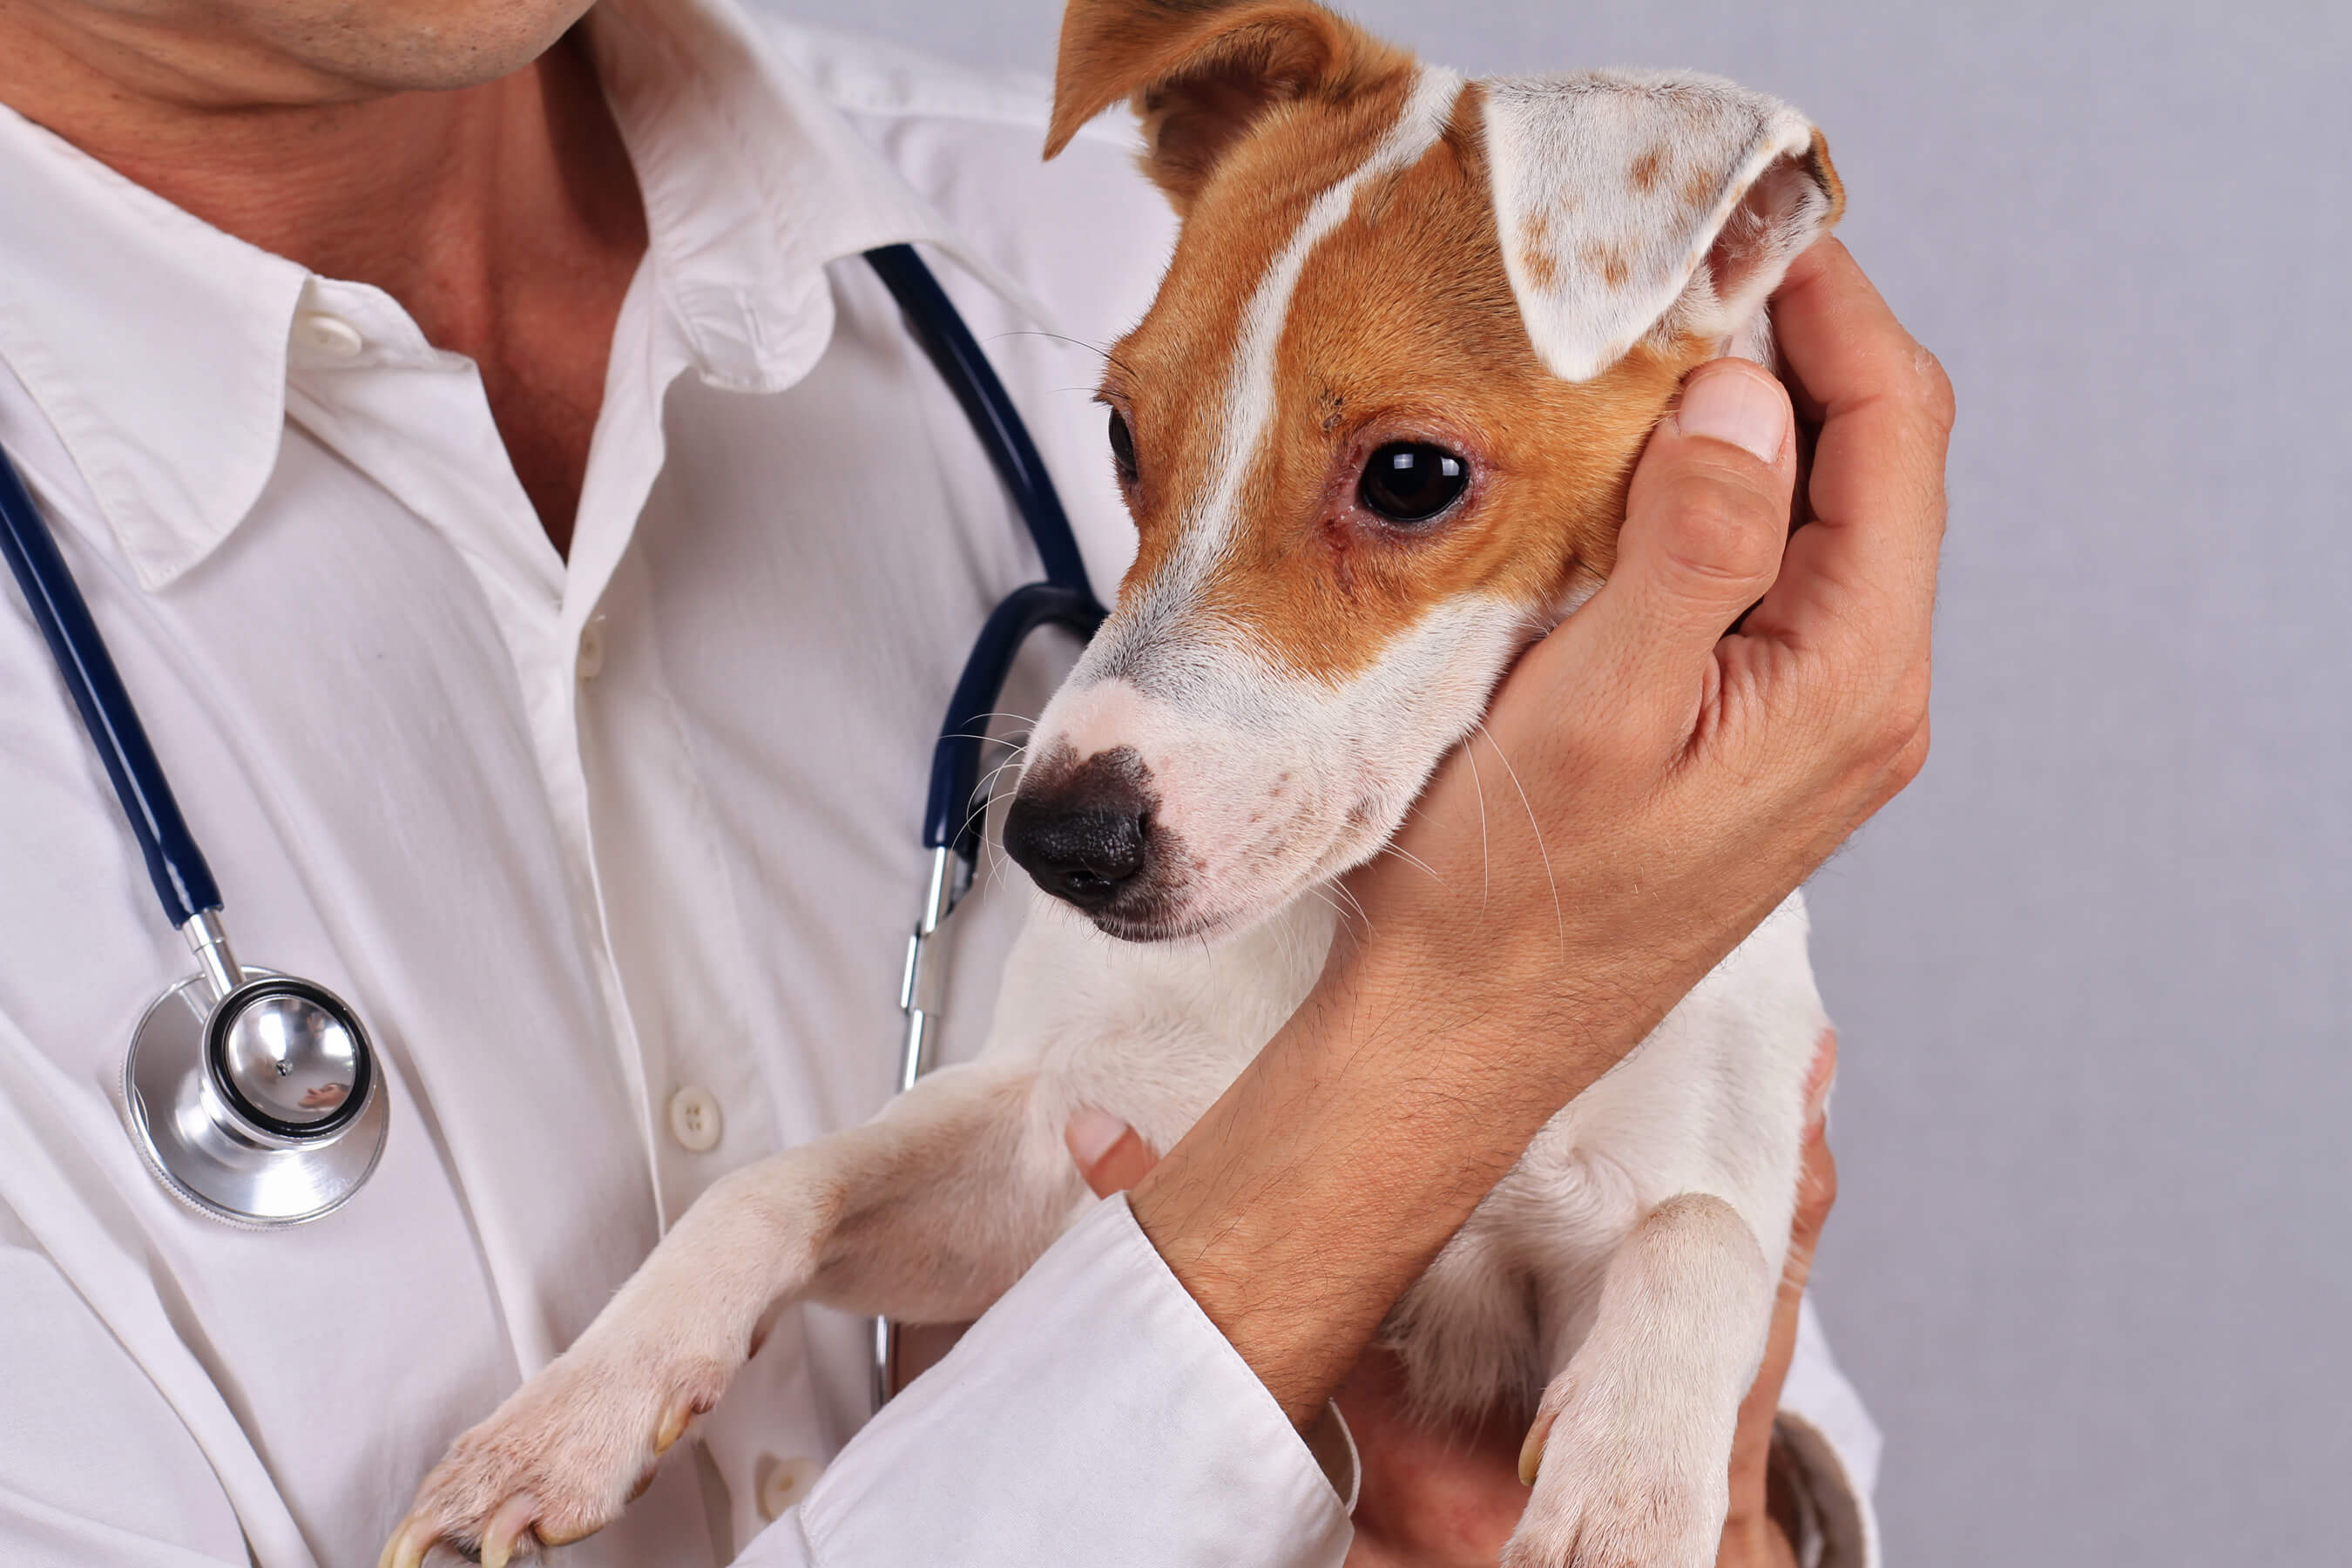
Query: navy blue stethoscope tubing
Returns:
{"type": "Point", "coordinates": [950, 818]}
{"type": "Point", "coordinates": [183, 883]}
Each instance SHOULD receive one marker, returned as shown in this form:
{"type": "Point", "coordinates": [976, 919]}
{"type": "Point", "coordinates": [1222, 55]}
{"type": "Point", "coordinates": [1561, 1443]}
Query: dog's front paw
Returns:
{"type": "Point", "coordinates": [562, 1456]}
{"type": "Point", "coordinates": [1616, 1490]}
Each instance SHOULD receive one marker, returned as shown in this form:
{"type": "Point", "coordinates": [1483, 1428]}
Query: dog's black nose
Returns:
{"type": "Point", "coordinates": [1084, 832]}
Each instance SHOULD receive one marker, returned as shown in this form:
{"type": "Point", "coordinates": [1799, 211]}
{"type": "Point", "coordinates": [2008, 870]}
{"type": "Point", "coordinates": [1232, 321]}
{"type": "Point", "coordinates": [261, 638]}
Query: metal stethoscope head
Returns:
{"type": "Point", "coordinates": [253, 1096]}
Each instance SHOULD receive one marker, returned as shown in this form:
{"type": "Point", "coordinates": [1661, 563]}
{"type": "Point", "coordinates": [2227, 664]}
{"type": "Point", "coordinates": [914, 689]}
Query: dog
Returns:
{"type": "Point", "coordinates": [1376, 433]}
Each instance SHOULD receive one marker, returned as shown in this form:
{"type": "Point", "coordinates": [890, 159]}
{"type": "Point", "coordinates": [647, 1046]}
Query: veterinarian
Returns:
{"type": "Point", "coordinates": [540, 556]}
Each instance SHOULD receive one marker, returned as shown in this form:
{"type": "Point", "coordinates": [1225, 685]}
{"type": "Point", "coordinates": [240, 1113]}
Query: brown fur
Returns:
{"type": "Point", "coordinates": [1403, 327]}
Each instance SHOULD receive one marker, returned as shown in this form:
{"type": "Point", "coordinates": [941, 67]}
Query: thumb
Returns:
{"type": "Point", "coordinates": [1706, 518]}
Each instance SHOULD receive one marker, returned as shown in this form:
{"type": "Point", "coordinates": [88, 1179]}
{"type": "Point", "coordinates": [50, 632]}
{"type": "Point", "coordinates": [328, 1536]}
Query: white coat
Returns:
{"type": "Point", "coordinates": [615, 855]}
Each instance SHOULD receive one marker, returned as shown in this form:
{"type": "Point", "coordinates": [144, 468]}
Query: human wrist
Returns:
{"type": "Point", "coordinates": [1335, 1167]}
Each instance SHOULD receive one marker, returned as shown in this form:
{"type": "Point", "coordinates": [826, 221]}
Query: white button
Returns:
{"type": "Point", "coordinates": [591, 648]}
{"type": "Point", "coordinates": [694, 1120]}
{"type": "Point", "coordinates": [783, 1483]}
{"type": "Point", "coordinates": [330, 335]}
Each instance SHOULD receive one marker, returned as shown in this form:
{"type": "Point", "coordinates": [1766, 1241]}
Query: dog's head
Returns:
{"type": "Point", "coordinates": [1377, 428]}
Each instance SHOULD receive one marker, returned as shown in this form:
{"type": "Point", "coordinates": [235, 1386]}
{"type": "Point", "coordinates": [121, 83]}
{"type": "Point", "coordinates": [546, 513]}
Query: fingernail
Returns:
{"type": "Point", "coordinates": [1739, 407]}
{"type": "Point", "coordinates": [1091, 1133]}
{"type": "Point", "coordinates": [1817, 1102]}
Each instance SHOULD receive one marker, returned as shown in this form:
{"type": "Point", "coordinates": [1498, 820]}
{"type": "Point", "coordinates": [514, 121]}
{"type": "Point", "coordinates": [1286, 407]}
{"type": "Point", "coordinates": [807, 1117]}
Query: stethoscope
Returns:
{"type": "Point", "coordinates": [254, 1096]}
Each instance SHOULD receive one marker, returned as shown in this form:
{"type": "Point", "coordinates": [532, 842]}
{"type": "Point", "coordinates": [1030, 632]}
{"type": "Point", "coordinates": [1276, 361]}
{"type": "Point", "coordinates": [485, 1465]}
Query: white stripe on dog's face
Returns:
{"type": "Point", "coordinates": [1249, 388]}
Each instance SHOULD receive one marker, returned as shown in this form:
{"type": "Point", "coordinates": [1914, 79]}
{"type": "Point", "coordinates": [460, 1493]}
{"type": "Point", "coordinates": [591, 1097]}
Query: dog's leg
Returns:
{"type": "Point", "coordinates": [929, 1211]}
{"type": "Point", "coordinates": [1635, 1436]}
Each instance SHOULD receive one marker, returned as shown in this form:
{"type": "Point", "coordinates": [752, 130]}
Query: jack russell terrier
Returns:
{"type": "Point", "coordinates": [1376, 433]}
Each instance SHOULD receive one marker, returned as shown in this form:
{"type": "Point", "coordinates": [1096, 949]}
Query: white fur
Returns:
{"type": "Point", "coordinates": [1620, 1279]}
{"type": "Point", "coordinates": [1562, 151]}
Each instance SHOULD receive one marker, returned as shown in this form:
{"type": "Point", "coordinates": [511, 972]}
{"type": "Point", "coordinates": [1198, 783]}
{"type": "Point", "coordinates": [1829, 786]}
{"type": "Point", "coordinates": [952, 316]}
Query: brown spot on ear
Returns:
{"type": "Point", "coordinates": [1608, 261]}
{"type": "Point", "coordinates": [1702, 188]}
{"type": "Point", "coordinates": [1535, 250]}
{"type": "Point", "coordinates": [1817, 161]}
{"type": "Point", "coordinates": [1649, 168]}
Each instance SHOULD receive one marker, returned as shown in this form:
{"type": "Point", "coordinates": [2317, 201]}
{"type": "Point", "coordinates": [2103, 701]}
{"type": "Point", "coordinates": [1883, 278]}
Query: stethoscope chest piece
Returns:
{"type": "Point", "coordinates": [261, 1107]}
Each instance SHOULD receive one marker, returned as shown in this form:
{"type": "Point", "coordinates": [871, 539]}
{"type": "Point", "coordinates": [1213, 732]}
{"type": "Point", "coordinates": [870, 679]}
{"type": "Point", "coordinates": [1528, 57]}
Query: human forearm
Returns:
{"type": "Point", "coordinates": [1327, 1178]}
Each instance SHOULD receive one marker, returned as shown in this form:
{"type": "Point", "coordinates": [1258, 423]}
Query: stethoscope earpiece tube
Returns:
{"type": "Point", "coordinates": [952, 818]}
{"type": "Point", "coordinates": [932, 317]}
{"type": "Point", "coordinates": [182, 882]}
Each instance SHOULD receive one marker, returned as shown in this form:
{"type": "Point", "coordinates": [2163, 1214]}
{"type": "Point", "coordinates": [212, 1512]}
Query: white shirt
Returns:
{"type": "Point", "coordinates": [576, 839]}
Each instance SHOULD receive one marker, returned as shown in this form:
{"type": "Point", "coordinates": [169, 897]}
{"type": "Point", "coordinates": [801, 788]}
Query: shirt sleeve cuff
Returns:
{"type": "Point", "coordinates": [1826, 1451]}
{"type": "Point", "coordinates": [1093, 1415]}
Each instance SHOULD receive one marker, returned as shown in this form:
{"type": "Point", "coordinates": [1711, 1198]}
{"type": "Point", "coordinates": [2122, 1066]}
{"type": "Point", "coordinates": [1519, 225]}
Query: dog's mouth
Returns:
{"type": "Point", "coordinates": [1096, 834]}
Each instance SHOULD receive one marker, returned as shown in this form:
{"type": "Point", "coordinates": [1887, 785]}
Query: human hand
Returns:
{"type": "Point", "coordinates": [1449, 1498]}
{"type": "Point", "coordinates": [1648, 785]}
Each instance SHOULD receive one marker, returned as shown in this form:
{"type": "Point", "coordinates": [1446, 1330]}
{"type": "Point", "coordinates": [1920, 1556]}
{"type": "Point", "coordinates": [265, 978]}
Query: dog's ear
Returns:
{"type": "Point", "coordinates": [1628, 204]}
{"type": "Point", "coordinates": [1200, 71]}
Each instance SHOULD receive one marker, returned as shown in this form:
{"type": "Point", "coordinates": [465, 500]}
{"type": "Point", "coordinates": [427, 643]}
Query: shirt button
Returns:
{"type": "Point", "coordinates": [783, 1483]}
{"type": "Point", "coordinates": [330, 335]}
{"type": "Point", "coordinates": [694, 1120]}
{"type": "Point", "coordinates": [591, 648]}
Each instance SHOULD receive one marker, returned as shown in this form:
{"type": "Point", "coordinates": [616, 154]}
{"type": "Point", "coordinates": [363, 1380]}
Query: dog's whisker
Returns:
{"type": "Point", "coordinates": [1094, 349]}
{"type": "Point", "coordinates": [1409, 858]}
{"type": "Point", "coordinates": [1485, 854]}
{"type": "Point", "coordinates": [1559, 914]}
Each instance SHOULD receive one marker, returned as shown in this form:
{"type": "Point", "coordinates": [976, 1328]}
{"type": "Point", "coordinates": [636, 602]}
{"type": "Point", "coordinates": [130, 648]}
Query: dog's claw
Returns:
{"type": "Point", "coordinates": [1531, 1451]}
{"type": "Point", "coordinates": [409, 1543]}
{"type": "Point", "coordinates": [673, 1427]}
{"type": "Point", "coordinates": [507, 1529]}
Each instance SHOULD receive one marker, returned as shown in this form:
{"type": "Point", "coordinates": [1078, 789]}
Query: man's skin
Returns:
{"type": "Point", "coordinates": [1677, 781]}
{"type": "Point", "coordinates": [498, 205]}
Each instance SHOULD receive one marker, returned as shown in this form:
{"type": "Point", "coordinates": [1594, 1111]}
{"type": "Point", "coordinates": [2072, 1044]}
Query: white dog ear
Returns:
{"type": "Point", "coordinates": [1628, 204]}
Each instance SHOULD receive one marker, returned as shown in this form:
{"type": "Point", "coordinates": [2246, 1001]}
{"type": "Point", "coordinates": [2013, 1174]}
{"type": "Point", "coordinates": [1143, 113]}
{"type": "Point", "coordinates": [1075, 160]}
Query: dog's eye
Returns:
{"type": "Point", "coordinates": [1412, 481]}
{"type": "Point", "coordinates": [1122, 447]}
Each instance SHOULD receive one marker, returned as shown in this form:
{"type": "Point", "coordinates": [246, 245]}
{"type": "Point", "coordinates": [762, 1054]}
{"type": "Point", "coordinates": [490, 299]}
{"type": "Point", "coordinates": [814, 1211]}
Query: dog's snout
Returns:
{"type": "Point", "coordinates": [1083, 830]}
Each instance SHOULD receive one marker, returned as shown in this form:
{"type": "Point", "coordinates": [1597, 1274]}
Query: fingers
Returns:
{"type": "Point", "coordinates": [1862, 576]}
{"type": "Point", "coordinates": [1816, 1183]}
{"type": "Point", "coordinates": [1108, 1154]}
{"type": "Point", "coordinates": [1706, 518]}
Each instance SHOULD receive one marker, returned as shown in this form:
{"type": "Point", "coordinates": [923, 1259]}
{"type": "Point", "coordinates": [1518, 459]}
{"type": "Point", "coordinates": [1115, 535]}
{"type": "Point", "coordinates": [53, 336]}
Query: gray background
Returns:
{"type": "Point", "coordinates": [2090, 1266]}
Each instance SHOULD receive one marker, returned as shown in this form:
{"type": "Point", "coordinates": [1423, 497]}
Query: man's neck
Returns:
{"type": "Point", "coordinates": [504, 216]}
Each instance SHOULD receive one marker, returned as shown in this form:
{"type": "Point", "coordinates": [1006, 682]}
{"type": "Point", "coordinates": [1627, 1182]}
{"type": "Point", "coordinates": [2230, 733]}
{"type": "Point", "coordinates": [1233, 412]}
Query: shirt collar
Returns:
{"type": "Point", "coordinates": [158, 347]}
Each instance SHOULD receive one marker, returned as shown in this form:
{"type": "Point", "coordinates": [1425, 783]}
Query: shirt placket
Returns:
{"type": "Point", "coordinates": [430, 438]}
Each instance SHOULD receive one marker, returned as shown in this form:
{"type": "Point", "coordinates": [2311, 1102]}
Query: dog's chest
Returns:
{"type": "Point", "coordinates": [1710, 1103]}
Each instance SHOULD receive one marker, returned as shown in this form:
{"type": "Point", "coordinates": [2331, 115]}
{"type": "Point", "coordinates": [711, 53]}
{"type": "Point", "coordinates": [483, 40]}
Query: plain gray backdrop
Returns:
{"type": "Point", "coordinates": [2092, 1262]}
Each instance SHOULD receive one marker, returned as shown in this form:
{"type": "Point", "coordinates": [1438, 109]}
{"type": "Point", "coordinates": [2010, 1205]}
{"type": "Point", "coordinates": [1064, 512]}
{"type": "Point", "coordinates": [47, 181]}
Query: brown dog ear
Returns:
{"type": "Point", "coordinates": [1199, 73]}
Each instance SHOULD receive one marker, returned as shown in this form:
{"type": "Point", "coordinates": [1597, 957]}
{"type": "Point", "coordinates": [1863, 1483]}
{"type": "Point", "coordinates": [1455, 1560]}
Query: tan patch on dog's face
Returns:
{"type": "Point", "coordinates": [1403, 327]}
